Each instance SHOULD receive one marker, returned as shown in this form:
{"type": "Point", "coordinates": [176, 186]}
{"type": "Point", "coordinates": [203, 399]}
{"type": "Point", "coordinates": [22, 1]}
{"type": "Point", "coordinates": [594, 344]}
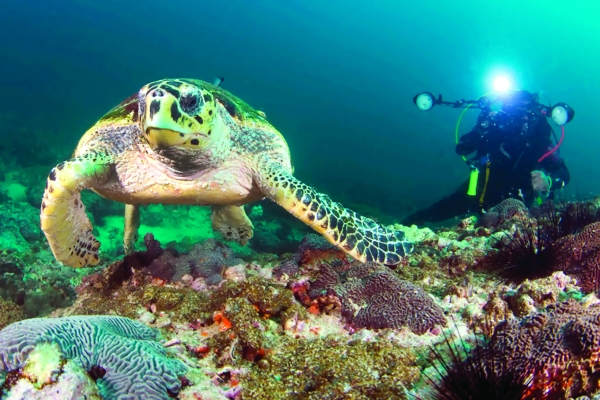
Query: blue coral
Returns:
{"type": "Point", "coordinates": [133, 363]}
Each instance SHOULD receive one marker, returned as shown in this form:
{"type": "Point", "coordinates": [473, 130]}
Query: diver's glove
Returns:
{"type": "Point", "coordinates": [540, 181]}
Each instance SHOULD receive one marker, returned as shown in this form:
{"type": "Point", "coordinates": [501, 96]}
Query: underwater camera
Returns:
{"type": "Point", "coordinates": [561, 113]}
{"type": "Point", "coordinates": [518, 109]}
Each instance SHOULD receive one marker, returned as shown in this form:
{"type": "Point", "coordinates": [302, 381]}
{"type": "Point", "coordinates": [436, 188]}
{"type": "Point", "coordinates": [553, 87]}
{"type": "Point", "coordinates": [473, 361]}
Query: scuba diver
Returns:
{"type": "Point", "coordinates": [514, 155]}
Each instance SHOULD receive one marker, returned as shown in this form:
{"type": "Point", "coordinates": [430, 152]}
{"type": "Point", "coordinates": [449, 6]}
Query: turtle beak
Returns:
{"type": "Point", "coordinates": [159, 124]}
{"type": "Point", "coordinates": [162, 138]}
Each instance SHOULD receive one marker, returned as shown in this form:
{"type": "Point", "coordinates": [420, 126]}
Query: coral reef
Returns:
{"type": "Point", "coordinates": [316, 248]}
{"type": "Point", "coordinates": [123, 355]}
{"type": "Point", "coordinates": [312, 248]}
{"type": "Point", "coordinates": [580, 257]}
{"type": "Point", "coordinates": [9, 313]}
{"type": "Point", "coordinates": [126, 287]}
{"type": "Point", "coordinates": [372, 296]}
{"type": "Point", "coordinates": [301, 319]}
{"type": "Point", "coordinates": [207, 260]}
{"type": "Point", "coordinates": [559, 348]}
{"type": "Point", "coordinates": [252, 320]}
{"type": "Point", "coordinates": [470, 371]}
{"type": "Point", "coordinates": [508, 209]}
{"type": "Point", "coordinates": [532, 296]}
{"type": "Point", "coordinates": [32, 281]}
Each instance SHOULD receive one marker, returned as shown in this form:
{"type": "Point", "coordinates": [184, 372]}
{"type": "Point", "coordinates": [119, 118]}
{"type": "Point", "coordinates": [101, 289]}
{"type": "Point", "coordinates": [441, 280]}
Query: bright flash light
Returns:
{"type": "Point", "coordinates": [501, 84]}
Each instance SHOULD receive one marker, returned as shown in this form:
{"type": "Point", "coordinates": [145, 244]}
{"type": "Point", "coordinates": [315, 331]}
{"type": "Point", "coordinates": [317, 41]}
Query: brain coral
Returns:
{"type": "Point", "coordinates": [124, 354]}
{"type": "Point", "coordinates": [372, 296]}
{"type": "Point", "coordinates": [578, 255]}
{"type": "Point", "coordinates": [560, 346]}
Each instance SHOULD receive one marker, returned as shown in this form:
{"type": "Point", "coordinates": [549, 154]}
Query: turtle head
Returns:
{"type": "Point", "coordinates": [177, 113]}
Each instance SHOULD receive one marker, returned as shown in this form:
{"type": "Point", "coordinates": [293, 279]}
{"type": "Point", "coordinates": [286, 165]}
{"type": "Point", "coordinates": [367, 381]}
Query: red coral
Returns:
{"type": "Point", "coordinates": [372, 296]}
{"type": "Point", "coordinates": [300, 290]}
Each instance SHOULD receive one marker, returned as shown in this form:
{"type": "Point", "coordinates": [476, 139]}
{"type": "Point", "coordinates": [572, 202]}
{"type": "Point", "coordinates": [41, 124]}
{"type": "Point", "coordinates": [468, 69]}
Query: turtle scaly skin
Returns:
{"type": "Point", "coordinates": [358, 236]}
{"type": "Point", "coordinates": [63, 218]}
{"type": "Point", "coordinates": [185, 141]}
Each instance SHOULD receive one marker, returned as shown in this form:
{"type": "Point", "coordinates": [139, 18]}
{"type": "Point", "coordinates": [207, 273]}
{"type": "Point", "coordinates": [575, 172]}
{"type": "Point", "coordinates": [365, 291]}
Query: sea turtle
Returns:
{"type": "Point", "coordinates": [186, 141]}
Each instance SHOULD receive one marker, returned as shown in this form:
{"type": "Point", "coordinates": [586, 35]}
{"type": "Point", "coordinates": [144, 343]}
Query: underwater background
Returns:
{"type": "Point", "coordinates": [291, 316]}
{"type": "Point", "coordinates": [336, 77]}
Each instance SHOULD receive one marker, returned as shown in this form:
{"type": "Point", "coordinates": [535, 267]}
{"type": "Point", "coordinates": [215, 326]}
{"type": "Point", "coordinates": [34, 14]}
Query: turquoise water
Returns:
{"type": "Point", "coordinates": [336, 77]}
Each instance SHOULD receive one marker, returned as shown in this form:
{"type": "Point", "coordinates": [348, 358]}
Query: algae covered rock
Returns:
{"type": "Point", "coordinates": [19, 226]}
{"type": "Point", "coordinates": [9, 313]}
{"type": "Point", "coordinates": [14, 191]}
{"type": "Point", "coordinates": [332, 369]}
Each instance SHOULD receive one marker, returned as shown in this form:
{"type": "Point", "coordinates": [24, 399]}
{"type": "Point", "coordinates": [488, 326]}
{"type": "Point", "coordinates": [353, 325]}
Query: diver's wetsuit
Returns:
{"type": "Point", "coordinates": [512, 156]}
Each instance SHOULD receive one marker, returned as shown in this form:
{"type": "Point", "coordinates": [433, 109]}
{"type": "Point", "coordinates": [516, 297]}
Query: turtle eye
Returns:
{"type": "Point", "coordinates": [190, 103]}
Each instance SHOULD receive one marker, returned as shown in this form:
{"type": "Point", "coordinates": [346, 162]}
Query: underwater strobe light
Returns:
{"type": "Point", "coordinates": [502, 84]}
{"type": "Point", "coordinates": [561, 114]}
{"type": "Point", "coordinates": [424, 101]}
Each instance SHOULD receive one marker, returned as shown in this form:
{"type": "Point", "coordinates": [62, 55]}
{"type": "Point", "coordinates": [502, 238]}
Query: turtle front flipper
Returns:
{"type": "Point", "coordinates": [232, 222]}
{"type": "Point", "coordinates": [132, 224]}
{"type": "Point", "coordinates": [63, 218]}
{"type": "Point", "coordinates": [360, 237]}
